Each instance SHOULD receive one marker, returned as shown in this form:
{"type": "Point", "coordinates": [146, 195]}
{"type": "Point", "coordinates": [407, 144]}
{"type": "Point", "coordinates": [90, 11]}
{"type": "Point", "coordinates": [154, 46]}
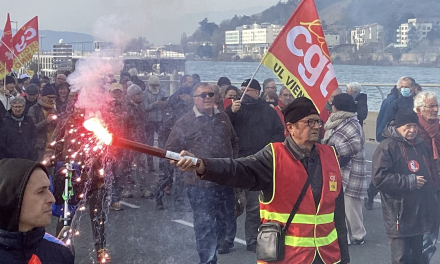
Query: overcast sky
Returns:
{"type": "Point", "coordinates": [160, 21]}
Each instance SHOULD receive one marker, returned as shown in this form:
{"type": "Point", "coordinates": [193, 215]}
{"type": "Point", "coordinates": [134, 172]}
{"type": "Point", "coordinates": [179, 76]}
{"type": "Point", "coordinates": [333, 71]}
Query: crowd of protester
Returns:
{"type": "Point", "coordinates": [199, 117]}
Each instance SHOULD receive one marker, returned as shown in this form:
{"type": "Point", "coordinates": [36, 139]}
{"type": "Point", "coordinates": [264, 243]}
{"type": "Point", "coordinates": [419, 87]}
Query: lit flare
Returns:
{"type": "Point", "coordinates": [95, 125]}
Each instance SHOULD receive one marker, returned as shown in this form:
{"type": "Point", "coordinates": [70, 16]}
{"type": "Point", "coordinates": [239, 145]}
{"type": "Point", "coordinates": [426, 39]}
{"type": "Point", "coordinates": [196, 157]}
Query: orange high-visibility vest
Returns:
{"type": "Point", "coordinates": [312, 230]}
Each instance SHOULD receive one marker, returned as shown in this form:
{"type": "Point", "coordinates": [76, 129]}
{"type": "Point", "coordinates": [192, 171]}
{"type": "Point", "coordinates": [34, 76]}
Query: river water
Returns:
{"type": "Point", "coordinates": [238, 71]}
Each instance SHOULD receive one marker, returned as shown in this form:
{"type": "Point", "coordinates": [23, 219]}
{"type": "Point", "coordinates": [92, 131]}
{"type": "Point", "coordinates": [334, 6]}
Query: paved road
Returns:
{"type": "Point", "coordinates": [147, 236]}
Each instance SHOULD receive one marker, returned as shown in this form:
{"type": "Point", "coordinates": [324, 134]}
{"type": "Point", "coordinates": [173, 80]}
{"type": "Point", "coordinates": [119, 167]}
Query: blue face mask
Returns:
{"type": "Point", "coordinates": [406, 92]}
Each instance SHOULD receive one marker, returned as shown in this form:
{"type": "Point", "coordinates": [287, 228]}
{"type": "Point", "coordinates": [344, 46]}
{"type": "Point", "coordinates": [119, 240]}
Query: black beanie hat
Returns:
{"type": "Point", "coordinates": [48, 90]}
{"type": "Point", "coordinates": [10, 79]}
{"type": "Point", "coordinates": [345, 102]}
{"type": "Point", "coordinates": [223, 81]}
{"type": "Point", "coordinates": [254, 84]}
{"type": "Point", "coordinates": [298, 109]}
{"type": "Point", "coordinates": [405, 116]}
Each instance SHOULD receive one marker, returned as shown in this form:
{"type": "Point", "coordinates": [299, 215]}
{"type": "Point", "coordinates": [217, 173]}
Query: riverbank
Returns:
{"type": "Point", "coordinates": [429, 60]}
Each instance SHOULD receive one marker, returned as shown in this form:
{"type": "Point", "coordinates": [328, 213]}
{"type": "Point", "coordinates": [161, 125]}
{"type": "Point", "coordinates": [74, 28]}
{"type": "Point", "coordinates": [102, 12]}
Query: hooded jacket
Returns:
{"type": "Point", "coordinates": [382, 118]}
{"type": "Point", "coordinates": [19, 247]}
{"type": "Point", "coordinates": [407, 211]}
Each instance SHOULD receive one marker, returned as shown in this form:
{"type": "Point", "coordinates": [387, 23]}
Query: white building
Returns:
{"type": "Point", "coordinates": [363, 35]}
{"type": "Point", "coordinates": [251, 40]}
{"type": "Point", "coordinates": [333, 39]}
{"type": "Point", "coordinates": [415, 30]}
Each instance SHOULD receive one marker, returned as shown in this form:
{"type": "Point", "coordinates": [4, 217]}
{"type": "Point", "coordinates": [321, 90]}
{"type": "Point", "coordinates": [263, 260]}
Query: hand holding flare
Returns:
{"type": "Point", "coordinates": [94, 125]}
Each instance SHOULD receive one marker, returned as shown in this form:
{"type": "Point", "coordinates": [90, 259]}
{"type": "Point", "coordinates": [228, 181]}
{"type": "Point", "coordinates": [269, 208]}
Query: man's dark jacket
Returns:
{"type": "Point", "coordinates": [361, 107]}
{"type": "Point", "coordinates": [255, 173]}
{"type": "Point", "coordinates": [17, 140]}
{"type": "Point", "coordinates": [382, 117]}
{"type": "Point", "coordinates": [204, 136]}
{"type": "Point", "coordinates": [401, 200]}
{"type": "Point", "coordinates": [28, 105]}
{"type": "Point", "coordinates": [2, 110]}
{"type": "Point", "coordinates": [138, 82]}
{"type": "Point", "coordinates": [19, 247]}
{"type": "Point", "coordinates": [397, 104]}
{"type": "Point", "coordinates": [256, 124]}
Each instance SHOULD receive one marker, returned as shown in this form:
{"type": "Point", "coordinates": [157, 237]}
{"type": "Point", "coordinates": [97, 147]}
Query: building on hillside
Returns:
{"type": "Point", "coordinates": [415, 30]}
{"type": "Point", "coordinates": [363, 35]}
{"type": "Point", "coordinates": [251, 40]}
{"type": "Point", "coordinates": [62, 56]}
{"type": "Point", "coordinates": [333, 39]}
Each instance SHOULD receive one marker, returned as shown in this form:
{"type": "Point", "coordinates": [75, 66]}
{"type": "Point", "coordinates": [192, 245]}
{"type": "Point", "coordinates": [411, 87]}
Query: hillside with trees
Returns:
{"type": "Point", "coordinates": [208, 38]}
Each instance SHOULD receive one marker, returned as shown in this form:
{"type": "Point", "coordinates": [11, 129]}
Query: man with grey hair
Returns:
{"type": "Point", "coordinates": [406, 99]}
{"type": "Point", "coordinates": [382, 118]}
{"type": "Point", "coordinates": [285, 97]}
{"type": "Point", "coordinates": [18, 134]}
{"type": "Point", "coordinates": [154, 101]}
{"type": "Point", "coordinates": [206, 132]}
{"type": "Point", "coordinates": [426, 107]}
{"type": "Point", "coordinates": [354, 89]}
{"type": "Point", "coordinates": [268, 85]}
{"type": "Point", "coordinates": [135, 79]}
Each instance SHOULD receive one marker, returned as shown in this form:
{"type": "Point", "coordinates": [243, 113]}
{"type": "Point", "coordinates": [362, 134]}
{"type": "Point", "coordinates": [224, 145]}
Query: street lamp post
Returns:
{"type": "Point", "coordinates": [16, 26]}
{"type": "Point", "coordinates": [40, 48]}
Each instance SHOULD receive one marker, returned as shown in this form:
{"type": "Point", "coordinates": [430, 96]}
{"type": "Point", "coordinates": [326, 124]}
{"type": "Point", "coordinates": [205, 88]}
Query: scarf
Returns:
{"type": "Point", "coordinates": [43, 104]}
{"type": "Point", "coordinates": [153, 91]}
{"type": "Point", "coordinates": [333, 121]}
{"type": "Point", "coordinates": [18, 119]}
{"type": "Point", "coordinates": [432, 129]}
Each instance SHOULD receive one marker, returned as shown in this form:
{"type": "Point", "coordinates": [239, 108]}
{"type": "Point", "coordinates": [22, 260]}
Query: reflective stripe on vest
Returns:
{"type": "Point", "coordinates": [298, 218]}
{"type": "Point", "coordinates": [311, 241]}
{"type": "Point", "coordinates": [313, 229]}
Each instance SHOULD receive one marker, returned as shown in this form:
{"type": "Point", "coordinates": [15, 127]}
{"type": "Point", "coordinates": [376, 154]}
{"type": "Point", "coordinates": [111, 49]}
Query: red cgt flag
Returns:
{"type": "Point", "coordinates": [6, 45]}
{"type": "Point", "coordinates": [26, 43]}
{"type": "Point", "coordinates": [299, 56]}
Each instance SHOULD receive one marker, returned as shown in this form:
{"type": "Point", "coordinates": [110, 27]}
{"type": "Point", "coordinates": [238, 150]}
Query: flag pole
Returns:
{"type": "Point", "coordinates": [12, 52]}
{"type": "Point", "coordinates": [253, 76]}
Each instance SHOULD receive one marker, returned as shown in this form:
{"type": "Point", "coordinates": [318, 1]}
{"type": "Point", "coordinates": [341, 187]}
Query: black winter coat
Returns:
{"type": "Point", "coordinates": [397, 104]}
{"type": "Point", "coordinates": [18, 140]}
{"type": "Point", "coordinates": [19, 247]}
{"type": "Point", "coordinates": [28, 105]}
{"type": "Point", "coordinates": [407, 211]}
{"type": "Point", "coordinates": [2, 110]}
{"type": "Point", "coordinates": [361, 107]}
{"type": "Point", "coordinates": [256, 124]}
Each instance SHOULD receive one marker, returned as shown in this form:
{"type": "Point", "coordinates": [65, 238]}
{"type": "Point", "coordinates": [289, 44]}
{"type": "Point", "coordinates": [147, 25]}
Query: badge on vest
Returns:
{"type": "Point", "coordinates": [332, 181]}
{"type": "Point", "coordinates": [413, 166]}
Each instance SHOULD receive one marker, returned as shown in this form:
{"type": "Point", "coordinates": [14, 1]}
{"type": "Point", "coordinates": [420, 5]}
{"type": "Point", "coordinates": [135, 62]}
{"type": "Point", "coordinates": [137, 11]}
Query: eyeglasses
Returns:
{"type": "Point", "coordinates": [17, 106]}
{"type": "Point", "coordinates": [312, 122]}
{"type": "Point", "coordinates": [204, 95]}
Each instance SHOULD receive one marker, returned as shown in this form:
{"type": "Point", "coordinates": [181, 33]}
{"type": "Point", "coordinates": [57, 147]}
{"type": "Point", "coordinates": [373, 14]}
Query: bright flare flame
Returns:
{"type": "Point", "coordinates": [99, 130]}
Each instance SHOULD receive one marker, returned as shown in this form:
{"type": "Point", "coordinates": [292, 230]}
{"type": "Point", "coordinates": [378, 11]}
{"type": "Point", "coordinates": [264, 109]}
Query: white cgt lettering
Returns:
{"type": "Point", "coordinates": [22, 45]}
{"type": "Point", "coordinates": [303, 69]}
{"type": "Point", "coordinates": [315, 72]}
{"type": "Point", "coordinates": [291, 37]}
